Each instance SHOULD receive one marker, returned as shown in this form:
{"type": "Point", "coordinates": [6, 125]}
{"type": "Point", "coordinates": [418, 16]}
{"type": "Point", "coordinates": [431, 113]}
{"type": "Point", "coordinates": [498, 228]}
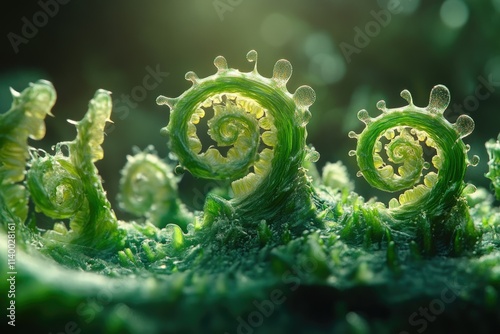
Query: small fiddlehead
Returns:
{"type": "Point", "coordinates": [148, 188]}
{"type": "Point", "coordinates": [408, 133]}
{"type": "Point", "coordinates": [55, 185]}
{"type": "Point", "coordinates": [256, 126]}
{"type": "Point", "coordinates": [69, 186]}
{"type": "Point", "coordinates": [24, 120]}
{"type": "Point", "coordinates": [493, 148]}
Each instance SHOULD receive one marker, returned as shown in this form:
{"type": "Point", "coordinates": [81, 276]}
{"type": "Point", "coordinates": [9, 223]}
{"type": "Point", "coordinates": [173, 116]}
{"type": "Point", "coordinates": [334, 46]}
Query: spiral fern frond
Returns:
{"type": "Point", "coordinates": [69, 186]}
{"type": "Point", "coordinates": [256, 126]}
{"type": "Point", "coordinates": [493, 148]}
{"type": "Point", "coordinates": [24, 120]}
{"type": "Point", "coordinates": [390, 154]}
{"type": "Point", "coordinates": [148, 188]}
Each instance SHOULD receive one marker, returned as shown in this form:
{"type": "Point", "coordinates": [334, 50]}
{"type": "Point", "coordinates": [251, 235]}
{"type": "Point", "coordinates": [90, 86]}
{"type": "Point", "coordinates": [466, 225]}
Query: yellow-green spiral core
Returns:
{"type": "Point", "coordinates": [493, 148]}
{"type": "Point", "coordinates": [256, 129]}
{"type": "Point", "coordinates": [24, 120]}
{"type": "Point", "coordinates": [66, 185]}
{"type": "Point", "coordinates": [391, 154]}
{"type": "Point", "coordinates": [56, 187]}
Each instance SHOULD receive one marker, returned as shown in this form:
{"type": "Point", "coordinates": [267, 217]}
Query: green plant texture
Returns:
{"type": "Point", "coordinates": [282, 249]}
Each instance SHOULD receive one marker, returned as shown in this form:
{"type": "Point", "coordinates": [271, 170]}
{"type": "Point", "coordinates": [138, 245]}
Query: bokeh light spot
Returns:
{"type": "Point", "coordinates": [277, 29]}
{"type": "Point", "coordinates": [496, 4]}
{"type": "Point", "coordinates": [404, 6]}
{"type": "Point", "coordinates": [327, 68]}
{"type": "Point", "coordinates": [454, 13]}
{"type": "Point", "coordinates": [492, 70]}
{"type": "Point", "coordinates": [318, 42]}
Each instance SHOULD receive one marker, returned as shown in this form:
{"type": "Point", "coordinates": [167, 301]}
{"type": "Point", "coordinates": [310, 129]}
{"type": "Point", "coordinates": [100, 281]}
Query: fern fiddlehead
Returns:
{"type": "Point", "coordinates": [493, 148]}
{"type": "Point", "coordinates": [162, 266]}
{"type": "Point", "coordinates": [261, 125]}
{"type": "Point", "coordinates": [148, 188]}
{"type": "Point", "coordinates": [406, 132]}
{"type": "Point", "coordinates": [24, 120]}
{"type": "Point", "coordinates": [68, 186]}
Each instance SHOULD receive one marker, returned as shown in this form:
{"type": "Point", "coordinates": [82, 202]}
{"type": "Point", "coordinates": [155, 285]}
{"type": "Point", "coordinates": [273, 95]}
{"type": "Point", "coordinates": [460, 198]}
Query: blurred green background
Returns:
{"type": "Point", "coordinates": [352, 52]}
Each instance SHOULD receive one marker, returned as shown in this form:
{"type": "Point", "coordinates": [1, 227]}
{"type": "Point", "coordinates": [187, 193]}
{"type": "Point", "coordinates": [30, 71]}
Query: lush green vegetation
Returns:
{"type": "Point", "coordinates": [278, 247]}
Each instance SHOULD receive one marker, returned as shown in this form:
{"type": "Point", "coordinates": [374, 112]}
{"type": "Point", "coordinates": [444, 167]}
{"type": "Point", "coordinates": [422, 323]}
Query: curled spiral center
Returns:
{"type": "Point", "coordinates": [403, 160]}
{"type": "Point", "coordinates": [397, 146]}
{"type": "Point", "coordinates": [243, 134]}
{"type": "Point", "coordinates": [63, 194]}
{"type": "Point", "coordinates": [237, 121]}
{"type": "Point", "coordinates": [225, 127]}
{"type": "Point", "coordinates": [60, 191]}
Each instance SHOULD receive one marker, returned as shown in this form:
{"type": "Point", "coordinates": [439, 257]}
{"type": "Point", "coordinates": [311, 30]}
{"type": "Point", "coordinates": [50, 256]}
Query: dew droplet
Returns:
{"type": "Point", "coordinates": [381, 106]}
{"type": "Point", "coordinates": [312, 155]}
{"type": "Point", "coordinates": [179, 170]}
{"type": "Point", "coordinates": [352, 134]}
{"type": "Point", "coordinates": [469, 189]}
{"type": "Point", "coordinates": [191, 76]}
{"type": "Point", "coordinates": [304, 96]}
{"type": "Point", "coordinates": [352, 153]}
{"type": "Point", "coordinates": [439, 99]}
{"type": "Point", "coordinates": [359, 174]}
{"type": "Point", "coordinates": [464, 125]}
{"type": "Point", "coordinates": [405, 94]}
{"type": "Point", "coordinates": [252, 57]}
{"type": "Point", "coordinates": [474, 161]}
{"type": "Point", "coordinates": [221, 63]}
{"type": "Point", "coordinates": [363, 116]}
{"type": "Point", "coordinates": [282, 72]}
